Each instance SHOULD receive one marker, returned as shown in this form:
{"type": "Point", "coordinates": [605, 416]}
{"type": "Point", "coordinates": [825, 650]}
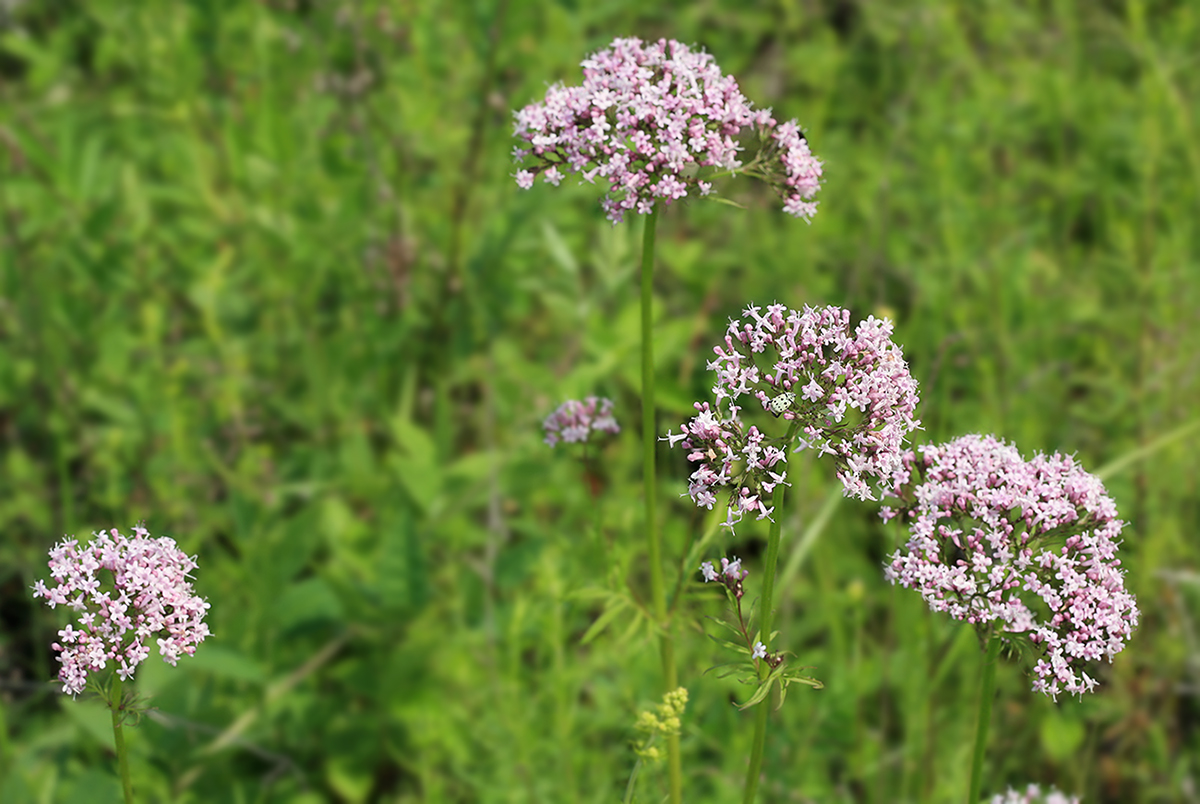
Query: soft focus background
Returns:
{"type": "Point", "coordinates": [267, 285]}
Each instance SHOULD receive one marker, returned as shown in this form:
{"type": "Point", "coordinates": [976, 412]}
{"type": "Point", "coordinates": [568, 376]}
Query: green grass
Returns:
{"type": "Point", "coordinates": [265, 283]}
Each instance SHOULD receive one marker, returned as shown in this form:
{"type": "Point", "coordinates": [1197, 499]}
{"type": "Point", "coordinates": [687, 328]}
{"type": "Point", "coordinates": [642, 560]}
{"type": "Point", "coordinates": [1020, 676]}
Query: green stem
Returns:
{"type": "Point", "coordinates": [115, 705]}
{"type": "Point", "coordinates": [764, 618]}
{"type": "Point", "coordinates": [987, 692]}
{"type": "Point", "coordinates": [653, 539]}
{"type": "Point", "coordinates": [629, 788]}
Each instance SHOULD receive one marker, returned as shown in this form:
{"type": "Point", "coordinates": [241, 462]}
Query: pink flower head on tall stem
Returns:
{"type": "Point", "coordinates": [126, 592]}
{"type": "Point", "coordinates": [574, 421]}
{"type": "Point", "coordinates": [647, 118]}
{"type": "Point", "coordinates": [1022, 547]}
{"type": "Point", "coordinates": [847, 391]}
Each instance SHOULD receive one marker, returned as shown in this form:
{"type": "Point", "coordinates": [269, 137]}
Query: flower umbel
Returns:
{"type": "Point", "coordinates": [1026, 547]}
{"type": "Point", "coordinates": [574, 421]}
{"type": "Point", "coordinates": [142, 592]}
{"type": "Point", "coordinates": [647, 118]}
{"type": "Point", "coordinates": [847, 393]}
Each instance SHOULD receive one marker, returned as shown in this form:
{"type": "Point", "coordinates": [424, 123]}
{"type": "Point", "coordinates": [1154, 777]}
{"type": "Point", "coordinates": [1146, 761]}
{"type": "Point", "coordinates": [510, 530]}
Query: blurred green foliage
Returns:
{"type": "Point", "coordinates": [266, 284]}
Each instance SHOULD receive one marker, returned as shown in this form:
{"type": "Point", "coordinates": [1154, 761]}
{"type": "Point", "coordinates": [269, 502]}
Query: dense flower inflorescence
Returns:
{"type": "Point", "coordinates": [1027, 547]}
{"type": "Point", "coordinates": [1033, 795]}
{"type": "Point", "coordinates": [142, 592]}
{"type": "Point", "coordinates": [574, 421]}
{"type": "Point", "coordinates": [846, 392]}
{"type": "Point", "coordinates": [646, 118]}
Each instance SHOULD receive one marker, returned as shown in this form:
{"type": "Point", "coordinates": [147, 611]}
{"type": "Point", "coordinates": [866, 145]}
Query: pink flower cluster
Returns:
{"type": "Point", "coordinates": [848, 391]}
{"type": "Point", "coordinates": [1033, 795]}
{"type": "Point", "coordinates": [731, 571]}
{"type": "Point", "coordinates": [144, 591]}
{"type": "Point", "coordinates": [574, 421]}
{"type": "Point", "coordinates": [1028, 545]}
{"type": "Point", "coordinates": [646, 118]}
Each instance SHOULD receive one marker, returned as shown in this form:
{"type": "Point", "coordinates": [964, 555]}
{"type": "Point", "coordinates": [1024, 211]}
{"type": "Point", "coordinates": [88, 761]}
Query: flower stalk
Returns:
{"type": "Point", "coordinates": [765, 612]}
{"type": "Point", "coordinates": [987, 693]}
{"type": "Point", "coordinates": [116, 706]}
{"type": "Point", "coordinates": [653, 538]}
{"type": "Point", "coordinates": [760, 715]}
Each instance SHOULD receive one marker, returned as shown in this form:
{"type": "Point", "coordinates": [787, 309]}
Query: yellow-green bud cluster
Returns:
{"type": "Point", "coordinates": [665, 719]}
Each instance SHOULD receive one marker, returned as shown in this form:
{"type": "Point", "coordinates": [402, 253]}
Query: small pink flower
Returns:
{"type": "Point", "coordinates": [574, 421]}
{"type": "Point", "coordinates": [1027, 547]}
{"type": "Point", "coordinates": [730, 575]}
{"type": "Point", "coordinates": [524, 179]}
{"type": "Point", "coordinates": [733, 569]}
{"type": "Point", "coordinates": [143, 591]}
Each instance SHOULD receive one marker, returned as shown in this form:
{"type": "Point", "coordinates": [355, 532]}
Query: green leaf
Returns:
{"type": "Point", "coordinates": [759, 694]}
{"type": "Point", "coordinates": [226, 663]}
{"type": "Point", "coordinates": [92, 716]}
{"type": "Point", "coordinates": [1060, 735]}
{"type": "Point", "coordinates": [615, 607]}
{"type": "Point", "coordinates": [309, 601]}
{"type": "Point", "coordinates": [416, 466]}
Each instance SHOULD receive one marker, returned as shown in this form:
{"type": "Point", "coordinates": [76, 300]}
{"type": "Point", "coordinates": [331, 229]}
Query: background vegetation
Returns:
{"type": "Point", "coordinates": [266, 284]}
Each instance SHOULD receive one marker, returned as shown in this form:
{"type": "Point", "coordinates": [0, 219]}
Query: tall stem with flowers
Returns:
{"type": "Point", "coordinates": [126, 592]}
{"type": "Point", "coordinates": [658, 121]}
{"type": "Point", "coordinates": [844, 391]}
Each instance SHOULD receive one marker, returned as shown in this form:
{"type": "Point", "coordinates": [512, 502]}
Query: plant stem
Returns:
{"type": "Point", "coordinates": [470, 169]}
{"type": "Point", "coordinates": [115, 701]}
{"type": "Point", "coordinates": [629, 788]}
{"type": "Point", "coordinates": [764, 617]}
{"type": "Point", "coordinates": [653, 538]}
{"type": "Point", "coordinates": [987, 692]}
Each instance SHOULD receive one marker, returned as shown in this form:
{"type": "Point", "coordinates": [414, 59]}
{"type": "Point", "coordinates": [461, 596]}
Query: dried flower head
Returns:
{"type": "Point", "coordinates": [574, 421]}
{"type": "Point", "coordinates": [126, 591]}
{"type": "Point", "coordinates": [846, 392]}
{"type": "Point", "coordinates": [1033, 795]}
{"type": "Point", "coordinates": [1026, 547]}
{"type": "Point", "coordinates": [648, 118]}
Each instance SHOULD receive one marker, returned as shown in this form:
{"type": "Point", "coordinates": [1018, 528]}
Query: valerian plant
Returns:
{"type": "Point", "coordinates": [126, 591]}
{"type": "Point", "coordinates": [657, 122]}
{"type": "Point", "coordinates": [843, 391]}
{"type": "Point", "coordinates": [1026, 551]}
